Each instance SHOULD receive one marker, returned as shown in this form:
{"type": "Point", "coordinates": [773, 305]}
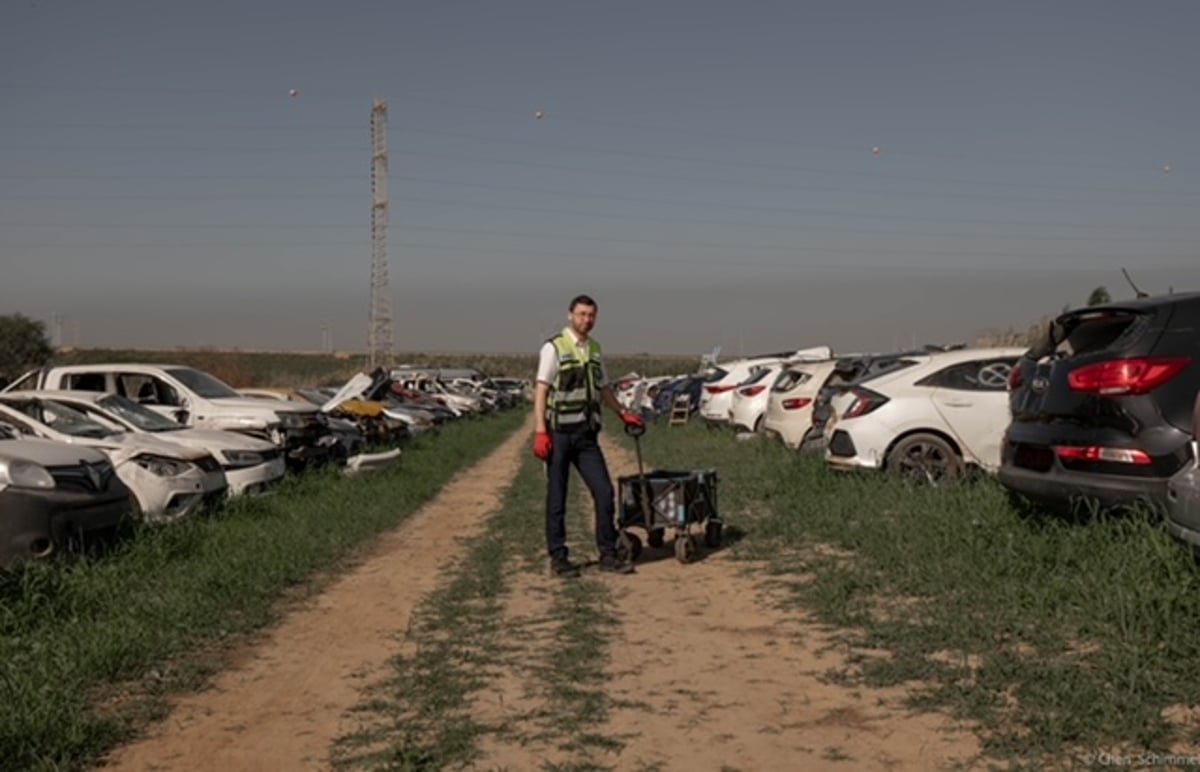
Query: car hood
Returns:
{"type": "Point", "coordinates": [353, 388]}
{"type": "Point", "coordinates": [252, 405]}
{"type": "Point", "coordinates": [215, 439]}
{"type": "Point", "coordinates": [48, 452]}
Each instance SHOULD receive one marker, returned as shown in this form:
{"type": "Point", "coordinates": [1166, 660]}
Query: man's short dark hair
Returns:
{"type": "Point", "coordinates": [581, 300]}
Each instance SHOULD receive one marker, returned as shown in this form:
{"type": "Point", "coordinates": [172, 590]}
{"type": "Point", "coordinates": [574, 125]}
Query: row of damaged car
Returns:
{"type": "Point", "coordinates": [86, 448]}
{"type": "Point", "coordinates": [1100, 412]}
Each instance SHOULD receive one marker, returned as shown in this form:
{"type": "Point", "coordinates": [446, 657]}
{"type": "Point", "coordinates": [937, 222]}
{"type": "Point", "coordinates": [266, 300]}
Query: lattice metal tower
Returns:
{"type": "Point", "coordinates": [379, 332]}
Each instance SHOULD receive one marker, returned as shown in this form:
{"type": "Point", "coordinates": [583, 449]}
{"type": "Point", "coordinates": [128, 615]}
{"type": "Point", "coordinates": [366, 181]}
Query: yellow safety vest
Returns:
{"type": "Point", "coordinates": [574, 403]}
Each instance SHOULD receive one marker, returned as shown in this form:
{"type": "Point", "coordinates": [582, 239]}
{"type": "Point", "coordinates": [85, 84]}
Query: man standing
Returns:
{"type": "Point", "coordinates": [571, 384]}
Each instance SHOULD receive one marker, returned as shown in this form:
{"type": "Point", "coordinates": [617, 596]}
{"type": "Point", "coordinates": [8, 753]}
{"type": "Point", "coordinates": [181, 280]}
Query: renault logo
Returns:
{"type": "Point", "coordinates": [1039, 384]}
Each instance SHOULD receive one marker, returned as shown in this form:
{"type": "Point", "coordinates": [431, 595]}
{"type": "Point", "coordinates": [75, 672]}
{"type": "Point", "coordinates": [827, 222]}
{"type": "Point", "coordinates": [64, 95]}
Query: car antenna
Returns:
{"type": "Point", "coordinates": [1137, 291]}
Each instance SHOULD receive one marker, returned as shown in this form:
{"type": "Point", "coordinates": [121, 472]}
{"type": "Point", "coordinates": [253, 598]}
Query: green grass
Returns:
{"type": "Point", "coordinates": [1058, 638]}
{"type": "Point", "coordinates": [421, 717]}
{"type": "Point", "coordinates": [90, 648]}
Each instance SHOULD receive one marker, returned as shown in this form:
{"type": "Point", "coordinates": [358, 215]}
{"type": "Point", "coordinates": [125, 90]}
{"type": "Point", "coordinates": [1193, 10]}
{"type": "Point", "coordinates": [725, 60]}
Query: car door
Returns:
{"type": "Point", "coordinates": [972, 398]}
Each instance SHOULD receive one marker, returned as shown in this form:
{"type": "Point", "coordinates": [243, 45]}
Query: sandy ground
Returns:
{"type": "Point", "coordinates": [707, 672]}
{"type": "Point", "coordinates": [286, 703]}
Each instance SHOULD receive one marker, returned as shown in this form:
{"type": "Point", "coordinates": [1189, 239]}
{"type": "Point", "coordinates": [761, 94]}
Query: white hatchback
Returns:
{"type": "Point", "coordinates": [928, 421]}
{"type": "Point", "coordinates": [749, 401]}
{"type": "Point", "coordinates": [789, 412]}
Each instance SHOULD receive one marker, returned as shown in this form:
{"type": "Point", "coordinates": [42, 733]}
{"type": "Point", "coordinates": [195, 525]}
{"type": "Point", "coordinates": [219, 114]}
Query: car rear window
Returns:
{"type": "Point", "coordinates": [1089, 332]}
{"type": "Point", "coordinates": [790, 379]}
{"type": "Point", "coordinates": [715, 374]}
{"type": "Point", "coordinates": [756, 376]}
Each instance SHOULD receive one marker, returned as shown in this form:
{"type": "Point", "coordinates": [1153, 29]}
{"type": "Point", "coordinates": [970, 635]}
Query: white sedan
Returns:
{"type": "Point", "coordinates": [251, 465]}
{"type": "Point", "coordinates": [169, 481]}
{"type": "Point", "coordinates": [929, 420]}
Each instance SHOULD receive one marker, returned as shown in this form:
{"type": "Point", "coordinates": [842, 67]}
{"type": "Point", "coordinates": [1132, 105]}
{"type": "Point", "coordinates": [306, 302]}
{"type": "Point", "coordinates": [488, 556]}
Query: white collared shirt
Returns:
{"type": "Point", "coordinates": [548, 361]}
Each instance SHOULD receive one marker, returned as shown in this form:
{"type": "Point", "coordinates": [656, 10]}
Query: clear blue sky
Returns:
{"type": "Point", "coordinates": [752, 175]}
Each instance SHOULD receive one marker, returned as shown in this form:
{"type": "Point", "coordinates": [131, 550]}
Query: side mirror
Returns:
{"type": "Point", "coordinates": [181, 416]}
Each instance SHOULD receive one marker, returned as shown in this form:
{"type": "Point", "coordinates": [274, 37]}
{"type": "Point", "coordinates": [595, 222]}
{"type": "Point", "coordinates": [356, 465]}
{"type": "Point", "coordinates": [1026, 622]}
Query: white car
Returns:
{"type": "Point", "coordinates": [748, 404]}
{"type": "Point", "coordinates": [251, 465]}
{"type": "Point", "coordinates": [927, 421]}
{"type": "Point", "coordinates": [168, 480]}
{"type": "Point", "coordinates": [716, 398]}
{"type": "Point", "coordinates": [789, 412]}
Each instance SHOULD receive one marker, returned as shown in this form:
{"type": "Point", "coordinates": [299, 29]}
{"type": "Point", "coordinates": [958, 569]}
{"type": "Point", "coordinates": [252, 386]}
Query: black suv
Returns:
{"type": "Point", "coordinates": [1102, 404]}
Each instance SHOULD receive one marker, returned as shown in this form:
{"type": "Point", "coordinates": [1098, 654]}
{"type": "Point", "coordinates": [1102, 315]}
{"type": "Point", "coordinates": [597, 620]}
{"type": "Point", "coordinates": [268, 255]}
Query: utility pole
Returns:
{"type": "Point", "coordinates": [379, 332]}
{"type": "Point", "coordinates": [56, 329]}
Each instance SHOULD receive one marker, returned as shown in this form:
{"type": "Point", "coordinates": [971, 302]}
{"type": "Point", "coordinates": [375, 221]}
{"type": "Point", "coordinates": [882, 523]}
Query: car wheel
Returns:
{"type": "Point", "coordinates": [925, 458]}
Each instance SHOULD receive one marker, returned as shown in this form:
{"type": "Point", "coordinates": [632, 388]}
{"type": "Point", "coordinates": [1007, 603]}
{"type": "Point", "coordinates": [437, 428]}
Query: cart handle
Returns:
{"type": "Point", "coordinates": [635, 431]}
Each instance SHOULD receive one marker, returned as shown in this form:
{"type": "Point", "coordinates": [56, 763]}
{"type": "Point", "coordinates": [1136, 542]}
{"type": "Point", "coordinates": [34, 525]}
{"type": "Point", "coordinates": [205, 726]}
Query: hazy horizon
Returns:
{"type": "Point", "coordinates": [758, 176]}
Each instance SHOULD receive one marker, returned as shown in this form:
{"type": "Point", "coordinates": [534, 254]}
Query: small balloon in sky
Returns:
{"type": "Point", "coordinates": [293, 93]}
{"type": "Point", "coordinates": [875, 150]}
{"type": "Point", "coordinates": [539, 115]}
{"type": "Point", "coordinates": [1166, 168]}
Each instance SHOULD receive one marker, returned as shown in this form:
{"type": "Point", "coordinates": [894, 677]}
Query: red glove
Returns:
{"type": "Point", "coordinates": [632, 419]}
{"type": "Point", "coordinates": [542, 446]}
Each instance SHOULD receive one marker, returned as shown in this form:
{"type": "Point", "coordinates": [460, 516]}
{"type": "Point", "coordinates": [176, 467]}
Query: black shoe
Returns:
{"type": "Point", "coordinates": [564, 568]}
{"type": "Point", "coordinates": [611, 564]}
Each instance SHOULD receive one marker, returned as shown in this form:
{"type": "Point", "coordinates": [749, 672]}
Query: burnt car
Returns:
{"type": "Point", "coordinates": [54, 496]}
{"type": "Point", "coordinates": [1101, 406]}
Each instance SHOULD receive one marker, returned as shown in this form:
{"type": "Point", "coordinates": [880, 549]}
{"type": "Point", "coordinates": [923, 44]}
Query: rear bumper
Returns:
{"type": "Point", "coordinates": [1061, 490]}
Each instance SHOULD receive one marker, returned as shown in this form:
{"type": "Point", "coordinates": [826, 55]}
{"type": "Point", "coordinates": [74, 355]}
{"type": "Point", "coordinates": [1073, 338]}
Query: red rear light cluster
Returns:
{"type": "Point", "coordinates": [718, 389]}
{"type": "Point", "coordinates": [1126, 376]}
{"type": "Point", "coordinates": [1094, 453]}
{"type": "Point", "coordinates": [1016, 377]}
{"type": "Point", "coordinates": [864, 402]}
{"type": "Point", "coordinates": [752, 391]}
{"type": "Point", "coordinates": [796, 403]}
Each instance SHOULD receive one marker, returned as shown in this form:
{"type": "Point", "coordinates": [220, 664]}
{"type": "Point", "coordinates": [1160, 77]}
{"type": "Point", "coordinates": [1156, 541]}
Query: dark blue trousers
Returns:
{"type": "Point", "coordinates": [582, 450]}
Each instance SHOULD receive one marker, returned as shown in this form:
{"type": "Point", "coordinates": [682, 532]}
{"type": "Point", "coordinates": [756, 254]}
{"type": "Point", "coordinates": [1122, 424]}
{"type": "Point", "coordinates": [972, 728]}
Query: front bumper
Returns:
{"type": "Point", "coordinates": [38, 524]}
{"type": "Point", "coordinates": [255, 479]}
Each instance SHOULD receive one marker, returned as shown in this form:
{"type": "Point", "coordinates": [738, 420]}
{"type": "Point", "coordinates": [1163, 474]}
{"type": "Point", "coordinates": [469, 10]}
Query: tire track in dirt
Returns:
{"type": "Point", "coordinates": [285, 704]}
{"type": "Point", "coordinates": [707, 674]}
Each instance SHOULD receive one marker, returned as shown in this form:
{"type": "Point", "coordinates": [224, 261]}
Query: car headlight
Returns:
{"type": "Point", "coordinates": [240, 458]}
{"type": "Point", "coordinates": [291, 420]}
{"type": "Point", "coordinates": [25, 474]}
{"type": "Point", "coordinates": [161, 466]}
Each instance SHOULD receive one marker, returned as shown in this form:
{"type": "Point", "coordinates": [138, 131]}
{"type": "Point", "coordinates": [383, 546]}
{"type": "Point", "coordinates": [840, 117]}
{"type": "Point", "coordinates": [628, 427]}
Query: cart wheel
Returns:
{"type": "Point", "coordinates": [655, 537]}
{"type": "Point", "coordinates": [629, 546]}
{"type": "Point", "coordinates": [685, 548]}
{"type": "Point", "coordinates": [712, 534]}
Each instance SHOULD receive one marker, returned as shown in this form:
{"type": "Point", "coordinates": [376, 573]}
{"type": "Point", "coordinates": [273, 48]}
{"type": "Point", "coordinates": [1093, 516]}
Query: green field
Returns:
{"type": "Point", "coordinates": [160, 615]}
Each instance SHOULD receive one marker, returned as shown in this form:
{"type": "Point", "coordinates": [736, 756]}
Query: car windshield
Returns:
{"type": "Point", "coordinates": [142, 417]}
{"type": "Point", "coordinates": [313, 395]}
{"type": "Point", "coordinates": [202, 383]}
{"type": "Point", "coordinates": [61, 418]}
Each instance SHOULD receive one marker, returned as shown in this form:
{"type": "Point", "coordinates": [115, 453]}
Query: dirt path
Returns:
{"type": "Point", "coordinates": [283, 707]}
{"type": "Point", "coordinates": [706, 674]}
{"type": "Point", "coordinates": [727, 681]}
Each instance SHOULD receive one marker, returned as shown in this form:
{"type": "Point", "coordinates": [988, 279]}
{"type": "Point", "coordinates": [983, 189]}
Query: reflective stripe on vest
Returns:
{"type": "Point", "coordinates": [574, 402]}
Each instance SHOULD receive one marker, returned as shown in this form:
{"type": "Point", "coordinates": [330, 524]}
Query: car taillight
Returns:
{"type": "Point", "coordinates": [1127, 376]}
{"type": "Point", "coordinates": [796, 403]}
{"type": "Point", "coordinates": [1015, 378]}
{"type": "Point", "coordinates": [718, 389]}
{"type": "Point", "coordinates": [864, 402]}
{"type": "Point", "coordinates": [752, 391]}
{"type": "Point", "coordinates": [1095, 453]}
